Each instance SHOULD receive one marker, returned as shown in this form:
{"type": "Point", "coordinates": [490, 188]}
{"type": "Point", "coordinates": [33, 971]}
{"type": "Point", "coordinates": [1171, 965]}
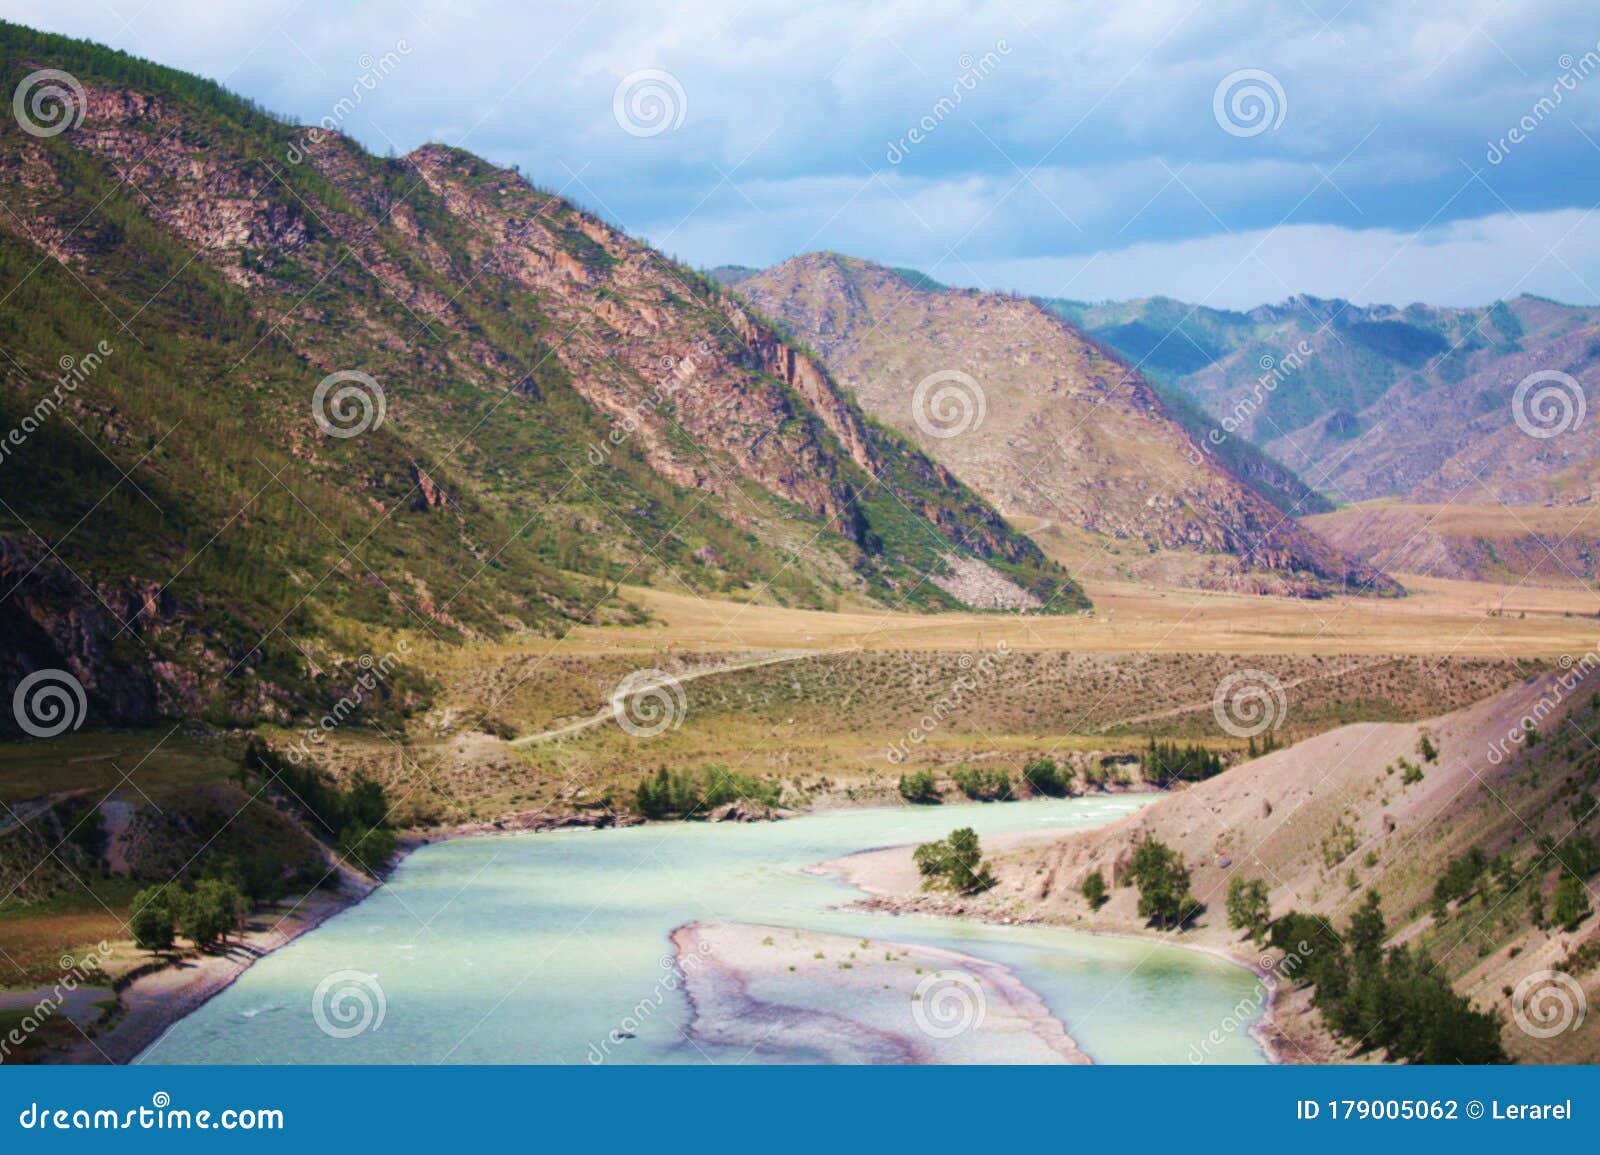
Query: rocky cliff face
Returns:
{"type": "Point", "coordinates": [526, 408]}
{"type": "Point", "coordinates": [1047, 424]}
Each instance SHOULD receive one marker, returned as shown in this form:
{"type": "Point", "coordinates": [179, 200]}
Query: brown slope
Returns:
{"type": "Point", "coordinates": [1048, 425]}
{"type": "Point", "coordinates": [1305, 818]}
{"type": "Point", "coordinates": [1527, 545]}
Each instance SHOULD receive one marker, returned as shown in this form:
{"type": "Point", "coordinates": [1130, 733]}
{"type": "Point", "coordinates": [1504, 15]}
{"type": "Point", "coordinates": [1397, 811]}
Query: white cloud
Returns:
{"type": "Point", "coordinates": [1106, 108]}
{"type": "Point", "coordinates": [1461, 263]}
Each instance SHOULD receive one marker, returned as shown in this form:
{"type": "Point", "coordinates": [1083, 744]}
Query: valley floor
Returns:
{"type": "Point", "coordinates": [1464, 618]}
{"type": "Point", "coordinates": [831, 707]}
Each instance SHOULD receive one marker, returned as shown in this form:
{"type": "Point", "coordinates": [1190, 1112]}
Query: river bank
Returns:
{"type": "Point", "coordinates": [157, 992]}
{"type": "Point", "coordinates": [555, 894]}
{"type": "Point", "coordinates": [1288, 1029]}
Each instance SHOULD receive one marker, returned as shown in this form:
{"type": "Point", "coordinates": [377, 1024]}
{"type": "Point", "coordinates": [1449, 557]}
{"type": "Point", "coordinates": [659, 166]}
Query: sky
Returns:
{"type": "Point", "coordinates": [1229, 154]}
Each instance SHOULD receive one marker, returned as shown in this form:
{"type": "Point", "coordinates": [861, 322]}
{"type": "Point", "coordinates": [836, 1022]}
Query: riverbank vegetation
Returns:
{"type": "Point", "coordinates": [1391, 999]}
{"type": "Point", "coordinates": [1164, 763]}
{"type": "Point", "coordinates": [355, 818]}
{"type": "Point", "coordinates": [695, 793]}
{"type": "Point", "coordinates": [954, 863]}
{"type": "Point", "coordinates": [1163, 881]}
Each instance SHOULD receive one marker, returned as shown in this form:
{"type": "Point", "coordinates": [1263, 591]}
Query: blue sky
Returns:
{"type": "Point", "coordinates": [1094, 150]}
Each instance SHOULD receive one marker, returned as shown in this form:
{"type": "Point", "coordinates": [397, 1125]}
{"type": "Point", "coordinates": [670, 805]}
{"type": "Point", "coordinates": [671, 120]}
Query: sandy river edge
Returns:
{"type": "Point", "coordinates": [891, 884]}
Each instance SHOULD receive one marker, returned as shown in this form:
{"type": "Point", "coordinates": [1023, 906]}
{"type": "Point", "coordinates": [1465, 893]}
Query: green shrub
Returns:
{"type": "Point", "coordinates": [954, 863]}
{"type": "Point", "coordinates": [1167, 762]}
{"type": "Point", "coordinates": [983, 785]}
{"type": "Point", "coordinates": [919, 787]}
{"type": "Point", "coordinates": [151, 921]}
{"type": "Point", "coordinates": [1094, 890]}
{"type": "Point", "coordinates": [1389, 999]}
{"type": "Point", "coordinates": [695, 793]}
{"type": "Point", "coordinates": [1163, 881]}
{"type": "Point", "coordinates": [1248, 908]}
{"type": "Point", "coordinates": [1572, 903]}
{"type": "Point", "coordinates": [1045, 777]}
{"type": "Point", "coordinates": [209, 911]}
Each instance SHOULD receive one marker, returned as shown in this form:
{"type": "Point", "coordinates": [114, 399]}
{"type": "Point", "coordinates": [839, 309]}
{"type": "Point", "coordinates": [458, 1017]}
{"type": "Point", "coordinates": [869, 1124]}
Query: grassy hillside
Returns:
{"type": "Point", "coordinates": [561, 409]}
{"type": "Point", "coordinates": [1548, 546]}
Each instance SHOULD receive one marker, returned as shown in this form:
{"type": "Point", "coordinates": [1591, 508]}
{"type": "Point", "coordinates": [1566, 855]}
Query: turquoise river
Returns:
{"type": "Point", "coordinates": [531, 948]}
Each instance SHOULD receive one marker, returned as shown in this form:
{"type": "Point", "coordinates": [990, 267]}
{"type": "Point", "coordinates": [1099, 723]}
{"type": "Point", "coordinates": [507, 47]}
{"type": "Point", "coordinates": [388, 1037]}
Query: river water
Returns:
{"type": "Point", "coordinates": [534, 948]}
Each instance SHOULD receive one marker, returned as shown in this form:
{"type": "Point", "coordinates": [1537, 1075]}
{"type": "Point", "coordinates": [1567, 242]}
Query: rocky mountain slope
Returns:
{"type": "Point", "coordinates": [1375, 401]}
{"type": "Point", "coordinates": [274, 399]}
{"type": "Point", "coordinates": [1054, 429]}
{"type": "Point", "coordinates": [1540, 545]}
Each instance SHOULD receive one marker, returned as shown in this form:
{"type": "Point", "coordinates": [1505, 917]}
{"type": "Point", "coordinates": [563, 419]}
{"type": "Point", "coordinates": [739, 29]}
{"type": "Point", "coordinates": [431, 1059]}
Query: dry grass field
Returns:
{"type": "Point", "coordinates": [845, 689]}
{"type": "Point", "coordinates": [1441, 617]}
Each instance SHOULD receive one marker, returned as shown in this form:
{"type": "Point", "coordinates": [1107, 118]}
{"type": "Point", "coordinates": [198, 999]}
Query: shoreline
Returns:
{"type": "Point", "coordinates": [155, 995]}
{"type": "Point", "coordinates": [152, 998]}
{"type": "Point", "coordinates": [867, 871]}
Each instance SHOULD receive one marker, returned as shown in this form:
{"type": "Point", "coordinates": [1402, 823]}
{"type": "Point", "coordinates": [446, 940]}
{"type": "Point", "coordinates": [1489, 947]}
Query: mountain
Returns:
{"type": "Point", "coordinates": [1049, 425]}
{"type": "Point", "coordinates": [1375, 401]}
{"type": "Point", "coordinates": [275, 402]}
{"type": "Point", "coordinates": [1542, 545]}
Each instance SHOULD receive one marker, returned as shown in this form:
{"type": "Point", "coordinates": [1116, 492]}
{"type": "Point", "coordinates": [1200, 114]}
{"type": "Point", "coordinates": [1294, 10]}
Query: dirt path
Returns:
{"type": "Point", "coordinates": [1194, 707]}
{"type": "Point", "coordinates": [619, 695]}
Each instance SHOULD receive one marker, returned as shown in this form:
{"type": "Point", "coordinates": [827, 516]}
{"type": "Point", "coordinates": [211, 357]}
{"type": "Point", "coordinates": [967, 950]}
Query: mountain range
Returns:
{"type": "Point", "coordinates": [274, 399]}
{"type": "Point", "coordinates": [1057, 430]}
{"type": "Point", "coordinates": [1418, 403]}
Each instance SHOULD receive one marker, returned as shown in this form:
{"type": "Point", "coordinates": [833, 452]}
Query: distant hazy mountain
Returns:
{"type": "Point", "coordinates": [1054, 429]}
{"type": "Point", "coordinates": [1374, 401]}
{"type": "Point", "coordinates": [526, 408]}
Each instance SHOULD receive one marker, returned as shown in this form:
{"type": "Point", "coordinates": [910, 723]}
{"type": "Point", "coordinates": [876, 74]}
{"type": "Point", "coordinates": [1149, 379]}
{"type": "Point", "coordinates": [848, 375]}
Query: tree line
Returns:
{"type": "Point", "coordinates": [693, 793]}
{"type": "Point", "coordinates": [205, 910]}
